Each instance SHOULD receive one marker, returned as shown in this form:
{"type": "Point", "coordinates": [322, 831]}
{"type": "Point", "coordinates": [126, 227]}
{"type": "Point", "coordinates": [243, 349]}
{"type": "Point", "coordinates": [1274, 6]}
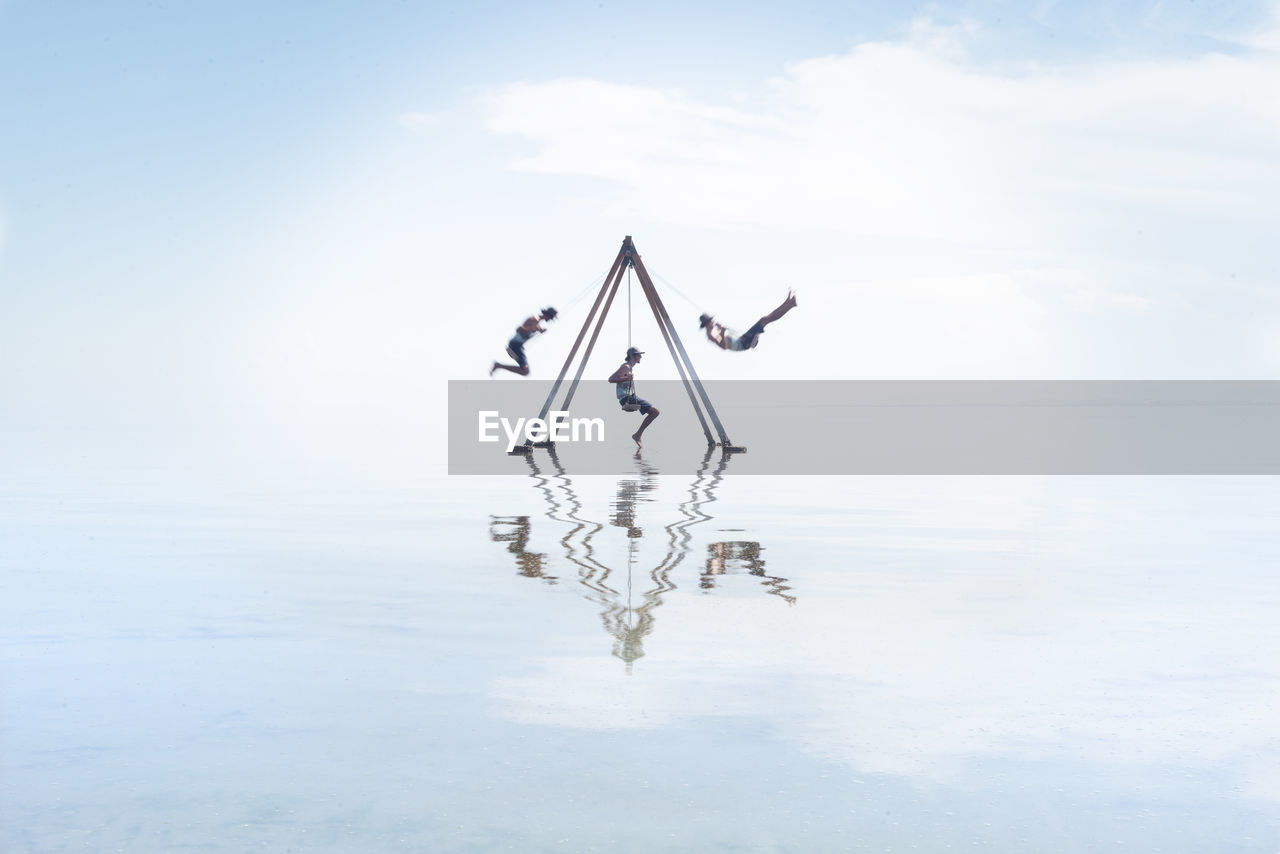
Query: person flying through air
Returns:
{"type": "Point", "coordinates": [515, 347]}
{"type": "Point", "coordinates": [727, 339]}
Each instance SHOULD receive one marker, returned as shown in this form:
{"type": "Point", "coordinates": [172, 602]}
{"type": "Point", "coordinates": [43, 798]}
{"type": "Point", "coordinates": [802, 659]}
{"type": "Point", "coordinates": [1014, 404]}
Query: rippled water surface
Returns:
{"type": "Point", "coordinates": [643, 663]}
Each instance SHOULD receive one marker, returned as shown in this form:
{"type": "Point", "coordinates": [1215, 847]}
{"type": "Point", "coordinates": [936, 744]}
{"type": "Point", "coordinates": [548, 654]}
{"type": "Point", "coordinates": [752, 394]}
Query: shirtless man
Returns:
{"type": "Point", "coordinates": [624, 386]}
{"type": "Point", "coordinates": [727, 339]}
{"type": "Point", "coordinates": [515, 347]}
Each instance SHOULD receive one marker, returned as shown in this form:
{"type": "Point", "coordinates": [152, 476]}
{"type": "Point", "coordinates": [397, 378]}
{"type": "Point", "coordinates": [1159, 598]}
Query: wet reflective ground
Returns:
{"type": "Point", "coordinates": [647, 662]}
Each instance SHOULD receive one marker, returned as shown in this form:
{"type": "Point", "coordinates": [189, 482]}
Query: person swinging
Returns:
{"type": "Point", "coordinates": [624, 385]}
{"type": "Point", "coordinates": [727, 339]}
{"type": "Point", "coordinates": [515, 347]}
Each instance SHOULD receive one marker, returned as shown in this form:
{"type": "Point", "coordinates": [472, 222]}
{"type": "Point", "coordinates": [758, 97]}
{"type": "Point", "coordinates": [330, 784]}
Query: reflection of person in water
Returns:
{"type": "Point", "coordinates": [628, 604]}
{"type": "Point", "coordinates": [721, 560]}
{"type": "Point", "coordinates": [720, 554]}
{"type": "Point", "coordinates": [516, 535]}
{"type": "Point", "coordinates": [627, 621]}
{"type": "Point", "coordinates": [624, 507]}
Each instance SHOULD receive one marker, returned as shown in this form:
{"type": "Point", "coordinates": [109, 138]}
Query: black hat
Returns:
{"type": "Point", "coordinates": [632, 351]}
{"type": "Point", "coordinates": [704, 320]}
{"type": "Point", "coordinates": [549, 313]}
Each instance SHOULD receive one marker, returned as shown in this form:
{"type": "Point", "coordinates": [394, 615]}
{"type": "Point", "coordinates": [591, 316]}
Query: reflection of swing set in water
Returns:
{"type": "Point", "coordinates": [629, 259]}
{"type": "Point", "coordinates": [625, 620]}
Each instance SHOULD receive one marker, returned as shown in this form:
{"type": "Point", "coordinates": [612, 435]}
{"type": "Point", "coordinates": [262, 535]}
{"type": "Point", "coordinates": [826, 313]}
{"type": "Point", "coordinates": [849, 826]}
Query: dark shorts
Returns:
{"type": "Point", "coordinates": [632, 400]}
{"type": "Point", "coordinates": [516, 348]}
{"type": "Point", "coordinates": [748, 340]}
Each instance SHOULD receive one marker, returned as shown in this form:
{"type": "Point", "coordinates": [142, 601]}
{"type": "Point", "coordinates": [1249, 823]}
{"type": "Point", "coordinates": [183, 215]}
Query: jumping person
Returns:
{"type": "Point", "coordinates": [625, 386]}
{"type": "Point", "coordinates": [515, 347]}
{"type": "Point", "coordinates": [727, 339]}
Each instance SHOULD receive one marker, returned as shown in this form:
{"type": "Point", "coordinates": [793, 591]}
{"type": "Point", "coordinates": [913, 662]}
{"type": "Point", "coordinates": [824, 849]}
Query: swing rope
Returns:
{"type": "Point", "coordinates": [630, 407]}
{"type": "Point", "coordinates": [595, 283]}
{"type": "Point", "coordinates": [674, 289]}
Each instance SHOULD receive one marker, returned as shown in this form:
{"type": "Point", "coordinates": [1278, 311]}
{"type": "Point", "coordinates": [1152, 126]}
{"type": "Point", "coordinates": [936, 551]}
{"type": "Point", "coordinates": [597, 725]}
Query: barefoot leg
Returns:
{"type": "Point", "coordinates": [648, 419]}
{"type": "Point", "coordinates": [787, 304]}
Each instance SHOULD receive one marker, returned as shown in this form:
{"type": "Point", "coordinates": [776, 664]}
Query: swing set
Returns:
{"type": "Point", "coordinates": [628, 260]}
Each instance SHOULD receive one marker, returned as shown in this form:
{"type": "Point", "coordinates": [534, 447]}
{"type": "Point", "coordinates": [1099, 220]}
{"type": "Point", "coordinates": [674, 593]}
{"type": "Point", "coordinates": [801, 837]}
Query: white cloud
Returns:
{"type": "Point", "coordinates": [947, 40]}
{"type": "Point", "coordinates": [908, 139]}
{"type": "Point", "coordinates": [1037, 200]}
{"type": "Point", "coordinates": [603, 129]}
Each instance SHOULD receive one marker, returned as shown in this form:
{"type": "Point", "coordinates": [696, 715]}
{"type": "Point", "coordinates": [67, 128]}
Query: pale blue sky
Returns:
{"type": "Point", "coordinates": [277, 221]}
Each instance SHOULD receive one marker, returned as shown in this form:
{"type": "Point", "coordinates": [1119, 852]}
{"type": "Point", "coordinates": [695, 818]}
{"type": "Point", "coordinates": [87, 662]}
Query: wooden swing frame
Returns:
{"type": "Point", "coordinates": [629, 258]}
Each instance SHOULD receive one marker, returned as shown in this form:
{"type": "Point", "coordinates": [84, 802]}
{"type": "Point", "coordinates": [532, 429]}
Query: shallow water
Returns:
{"type": "Point", "coordinates": [640, 663]}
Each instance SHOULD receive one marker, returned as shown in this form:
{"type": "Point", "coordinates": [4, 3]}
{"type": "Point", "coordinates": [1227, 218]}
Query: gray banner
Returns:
{"type": "Point", "coordinates": [888, 427]}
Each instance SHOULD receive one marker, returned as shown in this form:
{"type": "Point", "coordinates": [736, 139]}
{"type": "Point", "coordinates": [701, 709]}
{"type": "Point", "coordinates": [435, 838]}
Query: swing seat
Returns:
{"type": "Point", "coordinates": [630, 407]}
